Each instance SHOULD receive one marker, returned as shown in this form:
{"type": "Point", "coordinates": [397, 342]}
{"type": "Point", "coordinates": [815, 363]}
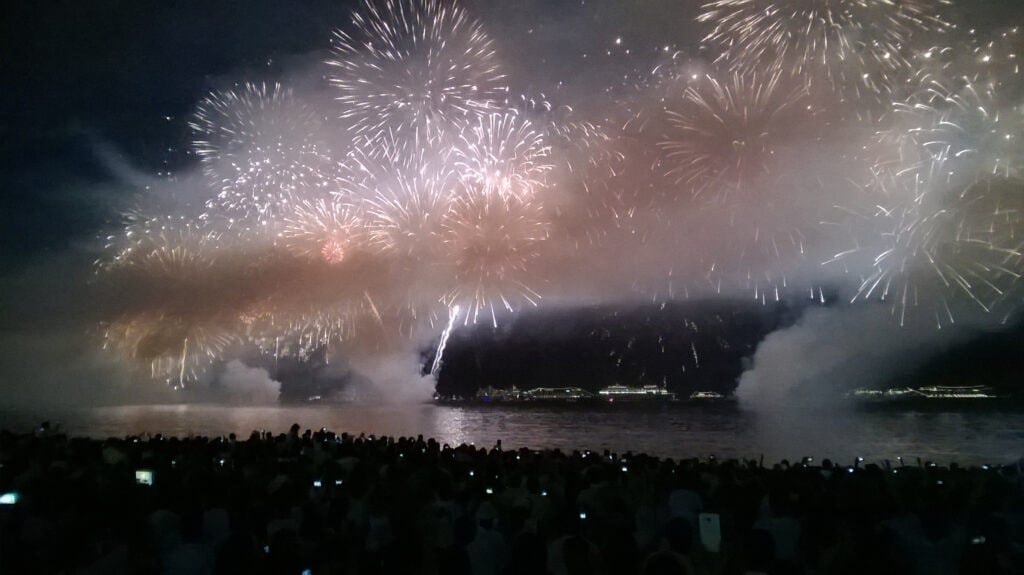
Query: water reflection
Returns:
{"type": "Point", "coordinates": [673, 431]}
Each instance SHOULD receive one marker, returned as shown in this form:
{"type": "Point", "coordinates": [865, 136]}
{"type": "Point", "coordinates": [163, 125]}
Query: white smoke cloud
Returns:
{"type": "Point", "coordinates": [391, 377]}
{"type": "Point", "coordinates": [830, 351]}
{"type": "Point", "coordinates": [248, 384]}
{"type": "Point", "coordinates": [393, 374]}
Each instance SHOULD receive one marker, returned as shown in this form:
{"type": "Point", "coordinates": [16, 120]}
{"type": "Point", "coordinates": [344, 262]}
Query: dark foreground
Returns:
{"type": "Point", "coordinates": [323, 503]}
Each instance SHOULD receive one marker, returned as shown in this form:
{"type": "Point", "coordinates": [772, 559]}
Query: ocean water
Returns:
{"type": "Point", "coordinates": [664, 430]}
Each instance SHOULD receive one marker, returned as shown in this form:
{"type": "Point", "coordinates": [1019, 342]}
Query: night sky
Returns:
{"type": "Point", "coordinates": [98, 96]}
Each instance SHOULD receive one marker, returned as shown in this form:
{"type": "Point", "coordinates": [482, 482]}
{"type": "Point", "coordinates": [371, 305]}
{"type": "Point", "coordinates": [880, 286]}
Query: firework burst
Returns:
{"type": "Point", "coordinates": [949, 203]}
{"type": "Point", "coordinates": [259, 147]}
{"type": "Point", "coordinates": [941, 250]}
{"type": "Point", "coordinates": [577, 168]}
{"type": "Point", "coordinates": [576, 145]}
{"type": "Point", "coordinates": [445, 199]}
{"type": "Point", "coordinates": [174, 352]}
{"type": "Point", "coordinates": [169, 260]}
{"type": "Point", "coordinates": [304, 333]}
{"type": "Point", "coordinates": [166, 244]}
{"type": "Point", "coordinates": [723, 136]}
{"type": "Point", "coordinates": [403, 200]}
{"type": "Point", "coordinates": [580, 153]}
{"type": "Point", "coordinates": [502, 155]}
{"type": "Point", "coordinates": [325, 229]}
{"type": "Point", "coordinates": [412, 68]}
{"type": "Point", "coordinates": [857, 47]}
{"type": "Point", "coordinates": [956, 126]}
{"type": "Point", "coordinates": [493, 242]}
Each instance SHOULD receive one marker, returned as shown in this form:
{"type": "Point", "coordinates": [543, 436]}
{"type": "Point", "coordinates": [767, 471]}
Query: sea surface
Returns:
{"type": "Point", "coordinates": [663, 430]}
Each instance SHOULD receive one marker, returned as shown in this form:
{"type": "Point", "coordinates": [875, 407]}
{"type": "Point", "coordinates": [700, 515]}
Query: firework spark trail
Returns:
{"type": "Point", "coordinates": [259, 148]}
{"type": "Point", "coordinates": [453, 316]}
{"type": "Point", "coordinates": [413, 69]}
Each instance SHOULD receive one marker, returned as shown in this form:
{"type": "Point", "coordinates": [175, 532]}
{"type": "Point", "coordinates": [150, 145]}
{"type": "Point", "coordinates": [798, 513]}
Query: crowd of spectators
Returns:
{"type": "Point", "coordinates": [324, 503]}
